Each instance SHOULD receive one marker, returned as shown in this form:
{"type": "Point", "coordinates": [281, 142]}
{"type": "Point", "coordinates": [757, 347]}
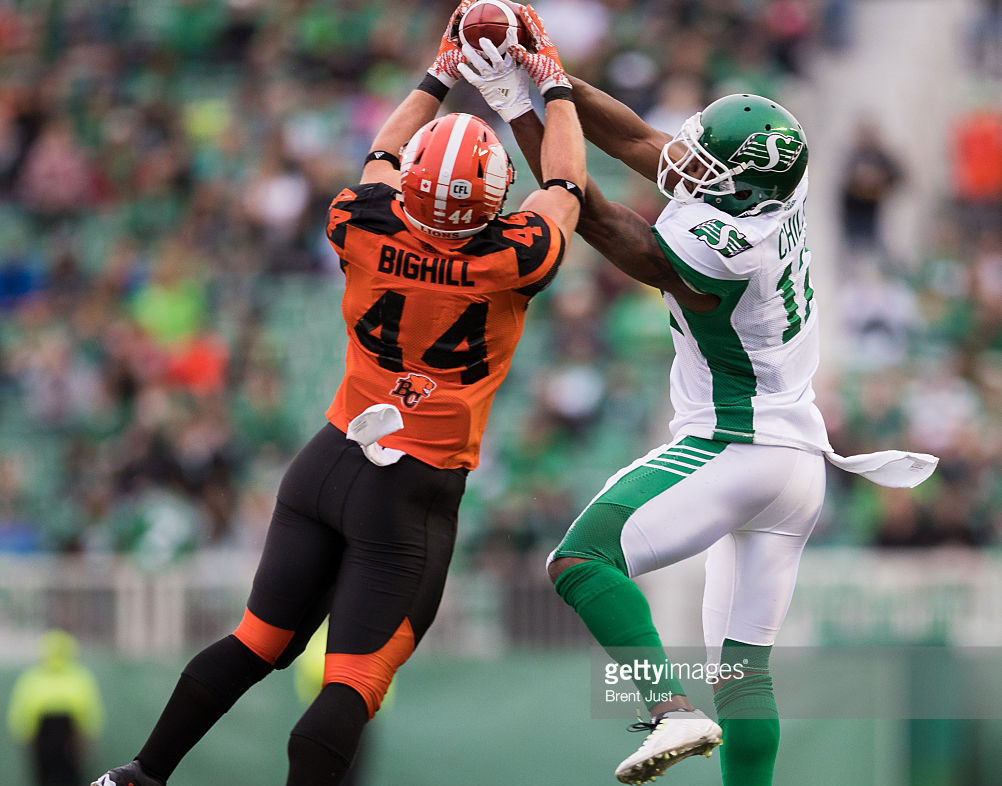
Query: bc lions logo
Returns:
{"type": "Point", "coordinates": [413, 388]}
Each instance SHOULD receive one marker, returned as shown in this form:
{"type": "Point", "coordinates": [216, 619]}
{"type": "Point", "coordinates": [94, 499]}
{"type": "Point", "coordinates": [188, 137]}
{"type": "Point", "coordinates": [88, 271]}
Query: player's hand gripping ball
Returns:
{"type": "Point", "coordinates": [444, 68]}
{"type": "Point", "coordinates": [491, 19]}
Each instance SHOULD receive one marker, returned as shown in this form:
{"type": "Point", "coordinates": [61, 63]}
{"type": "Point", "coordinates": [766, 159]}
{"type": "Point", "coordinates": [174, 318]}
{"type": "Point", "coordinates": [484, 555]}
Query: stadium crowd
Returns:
{"type": "Point", "coordinates": [164, 172]}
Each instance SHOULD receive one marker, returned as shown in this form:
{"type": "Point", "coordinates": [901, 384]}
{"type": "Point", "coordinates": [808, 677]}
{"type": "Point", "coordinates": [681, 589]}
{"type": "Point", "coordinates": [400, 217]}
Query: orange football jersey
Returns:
{"type": "Point", "coordinates": [432, 325]}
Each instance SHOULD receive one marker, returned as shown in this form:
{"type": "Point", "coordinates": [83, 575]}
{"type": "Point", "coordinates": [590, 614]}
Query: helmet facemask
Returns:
{"type": "Point", "coordinates": [716, 179]}
{"type": "Point", "coordinates": [743, 154]}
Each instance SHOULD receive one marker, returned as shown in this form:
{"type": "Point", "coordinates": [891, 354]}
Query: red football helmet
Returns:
{"type": "Point", "coordinates": [455, 176]}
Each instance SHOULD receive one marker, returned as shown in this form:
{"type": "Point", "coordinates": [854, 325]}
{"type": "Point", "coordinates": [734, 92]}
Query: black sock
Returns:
{"type": "Point", "coordinates": [209, 685]}
{"type": "Point", "coordinates": [323, 742]}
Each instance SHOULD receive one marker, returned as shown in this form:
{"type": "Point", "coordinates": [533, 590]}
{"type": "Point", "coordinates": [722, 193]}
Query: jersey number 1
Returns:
{"type": "Point", "coordinates": [785, 288]}
{"type": "Point", "coordinates": [444, 353]}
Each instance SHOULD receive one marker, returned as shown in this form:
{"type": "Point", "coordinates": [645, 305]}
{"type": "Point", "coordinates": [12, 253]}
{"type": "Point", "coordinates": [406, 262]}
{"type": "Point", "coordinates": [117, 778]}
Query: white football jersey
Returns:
{"type": "Point", "coordinates": [742, 372]}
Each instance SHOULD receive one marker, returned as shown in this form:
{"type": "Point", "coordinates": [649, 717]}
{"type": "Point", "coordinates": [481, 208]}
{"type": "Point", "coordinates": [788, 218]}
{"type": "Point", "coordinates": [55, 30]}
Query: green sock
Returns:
{"type": "Point", "coordinates": [746, 709]}
{"type": "Point", "coordinates": [619, 617]}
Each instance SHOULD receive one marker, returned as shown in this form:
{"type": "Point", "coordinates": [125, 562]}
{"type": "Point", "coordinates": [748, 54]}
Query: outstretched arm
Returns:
{"type": "Point", "coordinates": [560, 155]}
{"type": "Point", "coordinates": [618, 233]}
{"type": "Point", "coordinates": [560, 148]}
{"type": "Point", "coordinates": [618, 130]}
{"type": "Point", "coordinates": [414, 111]}
{"type": "Point", "coordinates": [419, 107]}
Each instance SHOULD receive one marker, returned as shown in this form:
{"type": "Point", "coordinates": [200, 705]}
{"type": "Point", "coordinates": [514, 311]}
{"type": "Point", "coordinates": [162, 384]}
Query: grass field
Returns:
{"type": "Point", "coordinates": [524, 718]}
{"type": "Point", "coordinates": [520, 719]}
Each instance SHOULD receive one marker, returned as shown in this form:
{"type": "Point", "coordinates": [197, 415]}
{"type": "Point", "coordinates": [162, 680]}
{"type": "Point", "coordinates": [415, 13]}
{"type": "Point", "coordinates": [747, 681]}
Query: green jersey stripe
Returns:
{"type": "Point", "coordinates": [731, 371]}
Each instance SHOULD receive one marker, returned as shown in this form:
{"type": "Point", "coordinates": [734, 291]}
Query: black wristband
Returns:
{"type": "Point", "coordinates": [558, 92]}
{"type": "Point", "coordinates": [433, 87]}
{"type": "Point", "coordinates": [574, 188]}
{"type": "Point", "coordinates": [383, 155]}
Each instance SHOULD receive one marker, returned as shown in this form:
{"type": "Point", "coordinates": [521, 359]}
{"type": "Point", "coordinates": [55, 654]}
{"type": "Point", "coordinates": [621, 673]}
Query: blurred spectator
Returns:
{"type": "Point", "coordinates": [871, 173]}
{"type": "Point", "coordinates": [168, 298]}
{"type": "Point", "coordinates": [55, 180]}
{"type": "Point", "coordinates": [941, 407]}
{"type": "Point", "coordinates": [789, 26]}
{"type": "Point", "coordinates": [171, 307]}
{"type": "Point", "coordinates": [578, 27]}
{"type": "Point", "coordinates": [55, 710]}
{"type": "Point", "coordinates": [680, 98]}
{"type": "Point", "coordinates": [901, 523]}
{"type": "Point", "coordinates": [18, 533]}
{"type": "Point", "coordinates": [986, 35]}
{"type": "Point", "coordinates": [836, 23]}
{"type": "Point", "coordinates": [977, 155]}
{"type": "Point", "coordinates": [881, 320]}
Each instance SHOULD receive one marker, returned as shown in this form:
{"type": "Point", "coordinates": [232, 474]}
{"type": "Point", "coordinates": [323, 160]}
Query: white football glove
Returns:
{"type": "Point", "coordinates": [504, 86]}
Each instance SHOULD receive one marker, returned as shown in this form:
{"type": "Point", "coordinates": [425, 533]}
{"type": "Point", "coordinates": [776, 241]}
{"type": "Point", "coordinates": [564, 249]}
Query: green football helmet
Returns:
{"type": "Point", "coordinates": [753, 150]}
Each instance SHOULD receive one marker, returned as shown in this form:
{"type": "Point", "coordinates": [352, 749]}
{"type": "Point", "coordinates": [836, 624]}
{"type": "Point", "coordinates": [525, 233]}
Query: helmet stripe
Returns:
{"type": "Point", "coordinates": [448, 161]}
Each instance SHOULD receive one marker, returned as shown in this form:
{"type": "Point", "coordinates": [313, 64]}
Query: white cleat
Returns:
{"type": "Point", "coordinates": [675, 736]}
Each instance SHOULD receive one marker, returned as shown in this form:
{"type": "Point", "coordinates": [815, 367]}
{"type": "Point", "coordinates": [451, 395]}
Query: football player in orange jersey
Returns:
{"type": "Point", "coordinates": [437, 286]}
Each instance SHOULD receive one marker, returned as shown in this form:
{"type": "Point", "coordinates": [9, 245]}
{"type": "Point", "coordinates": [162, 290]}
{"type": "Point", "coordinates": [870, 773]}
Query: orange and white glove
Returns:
{"type": "Point", "coordinates": [543, 65]}
{"type": "Point", "coordinates": [445, 67]}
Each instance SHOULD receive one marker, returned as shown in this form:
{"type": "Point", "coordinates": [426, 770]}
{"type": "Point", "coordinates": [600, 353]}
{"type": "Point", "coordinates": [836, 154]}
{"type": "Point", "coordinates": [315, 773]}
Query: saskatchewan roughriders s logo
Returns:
{"type": "Point", "coordinates": [721, 237]}
{"type": "Point", "coordinates": [768, 152]}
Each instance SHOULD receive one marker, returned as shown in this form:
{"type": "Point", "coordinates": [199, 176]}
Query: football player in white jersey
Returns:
{"type": "Point", "coordinates": [743, 477]}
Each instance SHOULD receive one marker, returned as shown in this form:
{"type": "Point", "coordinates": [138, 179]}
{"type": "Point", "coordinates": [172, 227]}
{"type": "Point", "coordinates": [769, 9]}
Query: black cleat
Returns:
{"type": "Point", "coordinates": [129, 775]}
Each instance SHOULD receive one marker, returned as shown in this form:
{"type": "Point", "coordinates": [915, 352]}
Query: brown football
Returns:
{"type": "Point", "coordinates": [490, 19]}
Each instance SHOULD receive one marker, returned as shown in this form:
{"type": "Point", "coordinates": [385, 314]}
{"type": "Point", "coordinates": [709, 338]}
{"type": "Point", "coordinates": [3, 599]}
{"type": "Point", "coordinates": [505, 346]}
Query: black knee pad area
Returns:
{"type": "Point", "coordinates": [227, 669]}
{"type": "Point", "coordinates": [323, 743]}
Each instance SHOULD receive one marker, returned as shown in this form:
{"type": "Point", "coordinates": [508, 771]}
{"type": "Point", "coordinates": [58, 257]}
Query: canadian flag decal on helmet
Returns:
{"type": "Point", "coordinates": [768, 152]}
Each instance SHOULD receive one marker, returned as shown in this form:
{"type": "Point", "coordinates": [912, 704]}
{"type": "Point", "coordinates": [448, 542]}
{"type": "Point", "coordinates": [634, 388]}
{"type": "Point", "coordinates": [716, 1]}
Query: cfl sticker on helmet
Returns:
{"type": "Point", "coordinates": [460, 189]}
{"type": "Point", "coordinates": [426, 186]}
{"type": "Point", "coordinates": [768, 152]}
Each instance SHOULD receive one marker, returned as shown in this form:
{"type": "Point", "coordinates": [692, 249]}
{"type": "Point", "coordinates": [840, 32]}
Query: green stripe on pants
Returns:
{"type": "Point", "coordinates": [596, 533]}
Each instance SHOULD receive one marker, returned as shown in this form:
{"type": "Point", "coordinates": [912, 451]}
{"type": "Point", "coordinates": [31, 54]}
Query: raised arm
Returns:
{"type": "Point", "coordinates": [414, 111]}
{"type": "Point", "coordinates": [419, 107]}
{"type": "Point", "coordinates": [503, 80]}
{"type": "Point", "coordinates": [619, 131]}
{"type": "Point", "coordinates": [617, 232]}
{"type": "Point", "coordinates": [561, 157]}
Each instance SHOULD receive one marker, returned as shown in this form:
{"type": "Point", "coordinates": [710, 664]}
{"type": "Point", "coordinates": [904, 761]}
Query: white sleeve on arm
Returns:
{"type": "Point", "coordinates": [710, 242]}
